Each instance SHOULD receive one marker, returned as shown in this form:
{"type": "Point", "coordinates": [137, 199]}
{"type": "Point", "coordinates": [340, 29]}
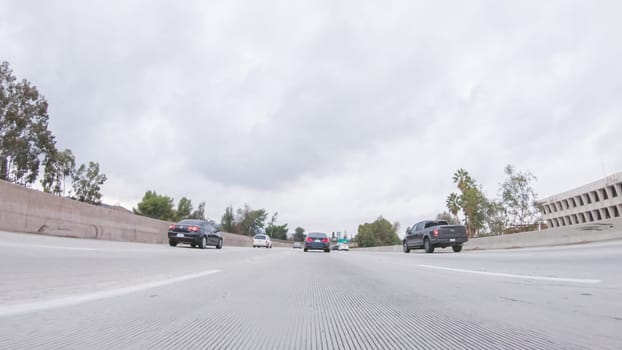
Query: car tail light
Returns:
{"type": "Point", "coordinates": [193, 229]}
{"type": "Point", "coordinates": [172, 227]}
{"type": "Point", "coordinates": [325, 240]}
{"type": "Point", "coordinates": [309, 239]}
{"type": "Point", "coordinates": [435, 232]}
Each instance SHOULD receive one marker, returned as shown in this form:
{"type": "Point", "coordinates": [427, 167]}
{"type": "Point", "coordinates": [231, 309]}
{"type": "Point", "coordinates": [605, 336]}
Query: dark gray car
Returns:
{"type": "Point", "coordinates": [317, 241]}
{"type": "Point", "coordinates": [197, 233]}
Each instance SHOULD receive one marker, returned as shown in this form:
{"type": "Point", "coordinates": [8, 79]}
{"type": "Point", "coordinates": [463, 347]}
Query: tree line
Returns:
{"type": "Point", "coordinates": [162, 207]}
{"type": "Point", "coordinates": [377, 233]}
{"type": "Point", "coordinates": [28, 149]}
{"type": "Point", "coordinates": [245, 220]}
{"type": "Point", "coordinates": [248, 221]}
{"type": "Point", "coordinates": [515, 206]}
{"type": "Point", "coordinates": [514, 209]}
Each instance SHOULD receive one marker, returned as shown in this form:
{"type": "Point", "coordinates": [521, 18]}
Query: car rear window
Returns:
{"type": "Point", "coordinates": [435, 223]}
{"type": "Point", "coordinates": [260, 237]}
{"type": "Point", "coordinates": [190, 222]}
{"type": "Point", "coordinates": [317, 235]}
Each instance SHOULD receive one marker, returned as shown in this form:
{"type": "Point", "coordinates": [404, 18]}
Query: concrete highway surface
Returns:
{"type": "Point", "coordinates": [62, 293]}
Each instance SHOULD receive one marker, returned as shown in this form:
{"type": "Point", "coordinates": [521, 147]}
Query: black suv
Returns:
{"type": "Point", "coordinates": [199, 233]}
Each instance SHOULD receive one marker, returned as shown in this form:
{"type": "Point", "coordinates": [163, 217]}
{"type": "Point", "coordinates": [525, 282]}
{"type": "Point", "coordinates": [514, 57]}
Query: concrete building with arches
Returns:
{"type": "Point", "coordinates": [595, 202]}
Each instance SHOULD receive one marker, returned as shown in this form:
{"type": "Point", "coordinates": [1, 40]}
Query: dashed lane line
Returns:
{"type": "Point", "coordinates": [26, 308]}
{"type": "Point", "coordinates": [20, 245]}
{"type": "Point", "coordinates": [510, 275]}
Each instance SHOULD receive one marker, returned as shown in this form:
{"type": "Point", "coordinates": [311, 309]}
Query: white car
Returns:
{"type": "Point", "coordinates": [343, 246]}
{"type": "Point", "coordinates": [262, 241]}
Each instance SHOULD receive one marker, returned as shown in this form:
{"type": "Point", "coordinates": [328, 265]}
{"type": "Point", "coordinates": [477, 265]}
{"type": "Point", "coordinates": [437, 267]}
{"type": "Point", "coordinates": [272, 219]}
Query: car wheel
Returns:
{"type": "Point", "coordinates": [203, 243]}
{"type": "Point", "coordinates": [172, 243]}
{"type": "Point", "coordinates": [406, 249]}
{"type": "Point", "coordinates": [457, 248]}
{"type": "Point", "coordinates": [193, 245]}
{"type": "Point", "coordinates": [219, 245]}
{"type": "Point", "coordinates": [327, 250]}
{"type": "Point", "coordinates": [305, 249]}
{"type": "Point", "coordinates": [428, 246]}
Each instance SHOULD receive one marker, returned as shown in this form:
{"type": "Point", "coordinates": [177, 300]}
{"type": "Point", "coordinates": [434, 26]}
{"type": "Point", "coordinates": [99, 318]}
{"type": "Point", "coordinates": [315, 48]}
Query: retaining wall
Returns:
{"type": "Point", "coordinates": [32, 211]}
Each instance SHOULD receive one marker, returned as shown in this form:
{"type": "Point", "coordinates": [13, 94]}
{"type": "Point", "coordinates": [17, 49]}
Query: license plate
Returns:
{"type": "Point", "coordinates": [180, 235]}
{"type": "Point", "coordinates": [452, 239]}
{"type": "Point", "coordinates": [317, 240]}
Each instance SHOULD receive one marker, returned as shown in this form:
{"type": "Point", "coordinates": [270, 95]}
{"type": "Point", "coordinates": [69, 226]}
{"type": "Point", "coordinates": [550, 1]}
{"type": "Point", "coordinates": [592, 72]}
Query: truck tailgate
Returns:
{"type": "Point", "coordinates": [451, 231]}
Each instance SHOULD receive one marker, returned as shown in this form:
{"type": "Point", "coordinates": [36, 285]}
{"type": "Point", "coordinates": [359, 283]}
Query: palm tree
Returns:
{"type": "Point", "coordinates": [463, 179]}
{"type": "Point", "coordinates": [465, 183]}
{"type": "Point", "coordinates": [453, 204]}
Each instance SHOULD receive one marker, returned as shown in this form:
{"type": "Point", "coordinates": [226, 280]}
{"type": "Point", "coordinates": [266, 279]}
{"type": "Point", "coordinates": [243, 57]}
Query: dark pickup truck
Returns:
{"type": "Point", "coordinates": [430, 234]}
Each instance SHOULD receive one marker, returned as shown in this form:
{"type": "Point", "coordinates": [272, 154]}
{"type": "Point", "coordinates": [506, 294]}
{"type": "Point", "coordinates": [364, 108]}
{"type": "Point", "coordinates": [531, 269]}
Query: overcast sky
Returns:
{"type": "Point", "coordinates": [329, 112]}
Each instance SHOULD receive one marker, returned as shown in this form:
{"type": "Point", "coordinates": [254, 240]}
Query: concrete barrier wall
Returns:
{"type": "Point", "coordinates": [32, 211]}
{"type": "Point", "coordinates": [593, 232]}
{"type": "Point", "coordinates": [387, 248]}
{"type": "Point", "coordinates": [27, 210]}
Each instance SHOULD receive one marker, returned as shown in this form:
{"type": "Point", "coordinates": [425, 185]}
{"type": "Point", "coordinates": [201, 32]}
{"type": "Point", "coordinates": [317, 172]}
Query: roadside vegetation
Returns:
{"type": "Point", "coordinates": [162, 207]}
{"type": "Point", "coordinates": [299, 234]}
{"type": "Point", "coordinates": [248, 221]}
{"type": "Point", "coordinates": [28, 150]}
{"type": "Point", "coordinates": [513, 210]}
{"type": "Point", "coordinates": [378, 233]}
{"type": "Point", "coordinates": [244, 221]}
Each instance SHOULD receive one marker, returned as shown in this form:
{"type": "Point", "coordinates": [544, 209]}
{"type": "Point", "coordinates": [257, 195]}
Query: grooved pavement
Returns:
{"type": "Point", "coordinates": [287, 299]}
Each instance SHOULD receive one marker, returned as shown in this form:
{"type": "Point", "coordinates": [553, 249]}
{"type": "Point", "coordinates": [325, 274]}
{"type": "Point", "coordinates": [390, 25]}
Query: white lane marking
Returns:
{"type": "Point", "coordinates": [510, 275]}
{"type": "Point", "coordinates": [21, 245]}
{"type": "Point", "coordinates": [25, 308]}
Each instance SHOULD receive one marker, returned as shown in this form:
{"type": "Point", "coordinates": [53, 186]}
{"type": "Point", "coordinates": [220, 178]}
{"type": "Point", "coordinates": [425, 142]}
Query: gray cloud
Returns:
{"type": "Point", "coordinates": [331, 113]}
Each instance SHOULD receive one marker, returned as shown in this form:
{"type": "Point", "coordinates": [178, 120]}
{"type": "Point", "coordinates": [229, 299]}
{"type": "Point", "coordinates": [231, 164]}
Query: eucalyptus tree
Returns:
{"type": "Point", "coordinates": [518, 196]}
{"type": "Point", "coordinates": [59, 167]}
{"type": "Point", "coordinates": [25, 141]}
{"type": "Point", "coordinates": [87, 182]}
